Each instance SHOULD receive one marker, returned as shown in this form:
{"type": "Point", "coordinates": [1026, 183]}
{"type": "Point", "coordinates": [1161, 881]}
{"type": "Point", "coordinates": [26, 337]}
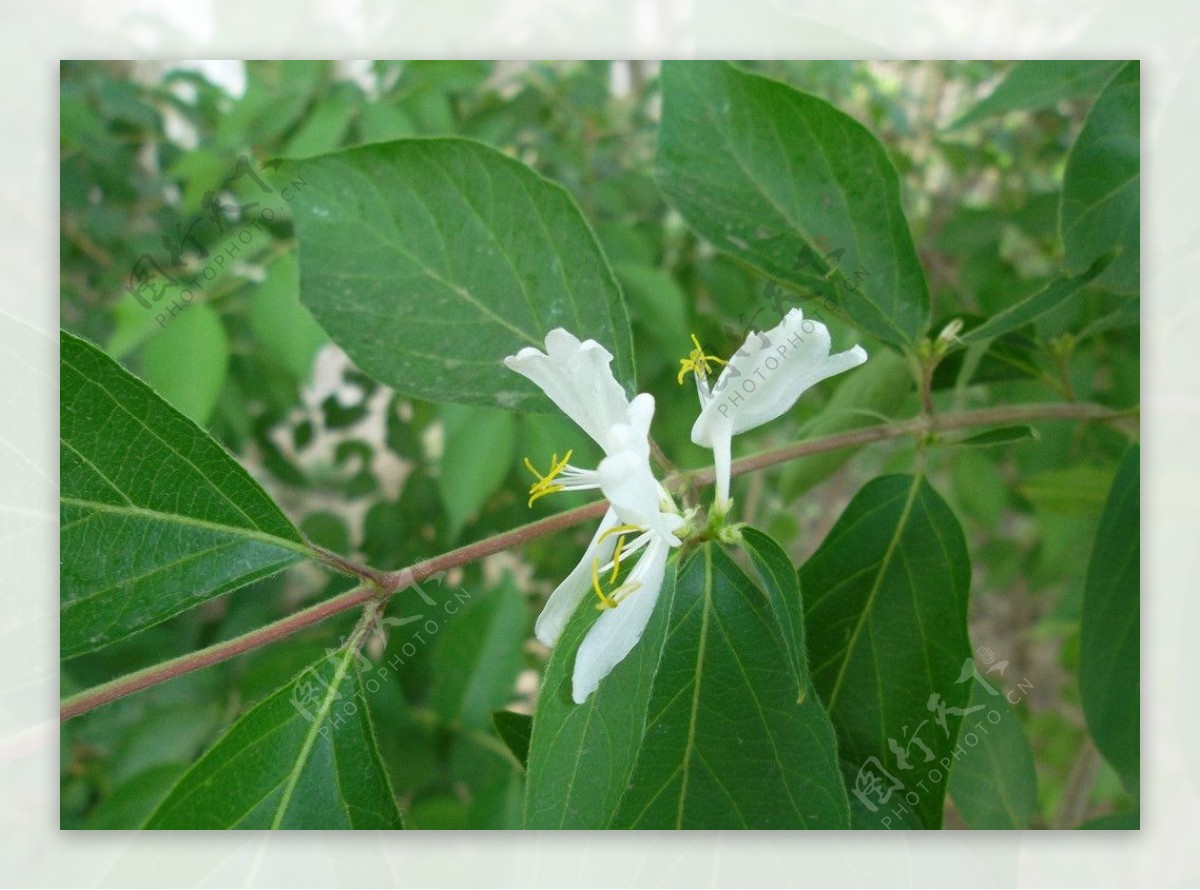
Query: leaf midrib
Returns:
{"type": "Point", "coordinates": [901, 525]}
{"type": "Point", "coordinates": [690, 743]}
{"type": "Point", "coordinates": [789, 219]}
{"type": "Point", "coordinates": [91, 381]}
{"type": "Point", "coordinates": [188, 521]}
{"type": "Point", "coordinates": [314, 729]}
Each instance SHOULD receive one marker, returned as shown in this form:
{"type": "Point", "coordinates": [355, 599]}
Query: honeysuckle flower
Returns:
{"type": "Point", "coordinates": [759, 383]}
{"type": "Point", "coordinates": [577, 376]}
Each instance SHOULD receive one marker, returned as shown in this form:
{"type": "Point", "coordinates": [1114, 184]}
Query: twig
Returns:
{"type": "Point", "coordinates": [160, 673]}
{"type": "Point", "coordinates": [383, 585]}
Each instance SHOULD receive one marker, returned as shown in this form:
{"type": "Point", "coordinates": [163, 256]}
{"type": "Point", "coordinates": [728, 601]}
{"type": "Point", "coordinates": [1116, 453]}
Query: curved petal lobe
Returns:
{"type": "Point", "coordinates": [566, 597]}
{"type": "Point", "coordinates": [769, 373]}
{"type": "Point", "coordinates": [618, 630]}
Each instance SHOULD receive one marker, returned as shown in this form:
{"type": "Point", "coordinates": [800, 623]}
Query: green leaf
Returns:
{"type": "Point", "coordinates": [581, 756]}
{"type": "Point", "coordinates": [1127, 314]}
{"type": "Point", "coordinates": [1109, 654]}
{"type": "Point", "coordinates": [777, 578]}
{"type": "Point", "coordinates": [732, 739]}
{"type": "Point", "coordinates": [429, 260]}
{"type": "Point", "coordinates": [514, 730]}
{"type": "Point", "coordinates": [1048, 298]}
{"type": "Point", "coordinates": [283, 327]}
{"type": "Point", "coordinates": [1075, 490]}
{"type": "Point", "coordinates": [658, 305]}
{"type": "Point", "coordinates": [134, 324]}
{"type": "Point", "coordinates": [1040, 83]}
{"type": "Point", "coordinates": [156, 516]}
{"type": "Point", "coordinates": [131, 803]}
{"type": "Point", "coordinates": [777, 177]}
{"type": "Point", "coordinates": [994, 783]}
{"type": "Point", "coordinates": [478, 656]}
{"type": "Point", "coordinates": [305, 757]}
{"type": "Point", "coordinates": [489, 778]}
{"type": "Point", "coordinates": [382, 123]}
{"type": "Point", "coordinates": [1101, 200]}
{"type": "Point", "coordinates": [478, 456]}
{"type": "Point", "coordinates": [187, 360]}
{"type": "Point", "coordinates": [326, 124]}
{"type": "Point", "coordinates": [1001, 435]}
{"type": "Point", "coordinates": [886, 615]}
{"type": "Point", "coordinates": [706, 724]}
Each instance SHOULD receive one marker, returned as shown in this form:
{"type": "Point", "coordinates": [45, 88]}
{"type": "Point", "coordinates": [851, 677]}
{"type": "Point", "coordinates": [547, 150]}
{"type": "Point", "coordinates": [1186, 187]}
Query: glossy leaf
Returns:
{"type": "Point", "coordinates": [886, 617]}
{"type": "Point", "coordinates": [305, 757]}
{"type": "Point", "coordinates": [1040, 83]}
{"type": "Point", "coordinates": [732, 740]}
{"type": "Point", "coordinates": [778, 580]}
{"type": "Point", "coordinates": [1101, 200]}
{"type": "Point", "coordinates": [581, 756]}
{"type": "Point", "coordinates": [429, 260]}
{"type": "Point", "coordinates": [993, 783]}
{"type": "Point", "coordinates": [1109, 655]}
{"type": "Point", "coordinates": [790, 184]}
{"type": "Point", "coordinates": [707, 723]}
{"type": "Point", "coordinates": [156, 516]}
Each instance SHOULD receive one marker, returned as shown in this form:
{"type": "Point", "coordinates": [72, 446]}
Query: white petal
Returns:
{"type": "Point", "coordinates": [577, 377]}
{"type": "Point", "coordinates": [769, 373]}
{"type": "Point", "coordinates": [566, 597]}
{"type": "Point", "coordinates": [618, 630]}
{"type": "Point", "coordinates": [629, 484]}
{"type": "Point", "coordinates": [641, 412]}
{"type": "Point", "coordinates": [722, 449]}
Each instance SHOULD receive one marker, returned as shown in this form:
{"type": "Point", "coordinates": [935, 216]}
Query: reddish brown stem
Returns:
{"type": "Point", "coordinates": [382, 584]}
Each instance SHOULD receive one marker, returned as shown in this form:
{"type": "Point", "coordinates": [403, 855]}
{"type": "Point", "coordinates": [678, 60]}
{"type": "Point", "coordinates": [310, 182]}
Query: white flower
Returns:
{"type": "Point", "coordinates": [641, 517]}
{"type": "Point", "coordinates": [760, 382]}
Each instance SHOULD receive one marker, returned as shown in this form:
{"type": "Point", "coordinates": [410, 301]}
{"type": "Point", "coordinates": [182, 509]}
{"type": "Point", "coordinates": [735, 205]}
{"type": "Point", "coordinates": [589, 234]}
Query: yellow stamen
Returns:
{"type": "Point", "coordinates": [605, 601]}
{"type": "Point", "coordinates": [697, 362]}
{"type": "Point", "coordinates": [620, 530]}
{"type": "Point", "coordinates": [545, 484]}
{"type": "Point", "coordinates": [618, 596]}
{"type": "Point", "coordinates": [617, 560]}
